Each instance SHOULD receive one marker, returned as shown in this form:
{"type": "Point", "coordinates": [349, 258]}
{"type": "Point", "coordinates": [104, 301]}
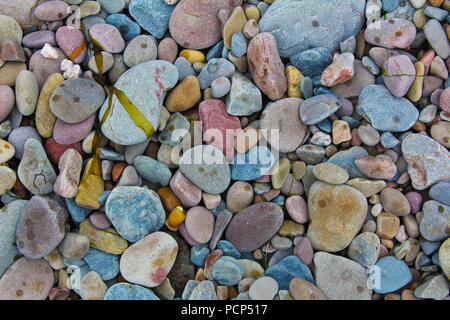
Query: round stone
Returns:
{"type": "Point", "coordinates": [107, 37]}
{"type": "Point", "coordinates": [27, 92]}
{"type": "Point", "coordinates": [148, 261]}
{"type": "Point", "coordinates": [264, 288]}
{"type": "Point", "coordinates": [330, 173]}
{"type": "Point", "coordinates": [340, 278]}
{"type": "Point", "coordinates": [135, 212]}
{"type": "Point", "coordinates": [200, 224]}
{"type": "Point", "coordinates": [227, 271]}
{"type": "Point", "coordinates": [282, 117]}
{"type": "Point", "coordinates": [337, 213]}
{"type": "Point", "coordinates": [444, 257]}
{"type": "Point", "coordinates": [253, 226]}
{"type": "Point", "coordinates": [239, 196]}
{"type": "Point", "coordinates": [6, 101]}
{"type": "Point", "coordinates": [140, 49]}
{"type": "Point", "coordinates": [207, 168]}
{"type": "Point", "coordinates": [395, 202]}
{"type": "Point", "coordinates": [297, 209]}
{"type": "Point", "coordinates": [393, 274]}
{"type": "Point", "coordinates": [69, 105]}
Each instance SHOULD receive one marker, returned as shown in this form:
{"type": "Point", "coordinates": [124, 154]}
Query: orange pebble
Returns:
{"type": "Point", "coordinates": [419, 126]}
{"type": "Point", "coordinates": [176, 217]}
{"type": "Point", "coordinates": [117, 170]}
{"type": "Point", "coordinates": [169, 200]}
{"type": "Point", "coordinates": [436, 3]}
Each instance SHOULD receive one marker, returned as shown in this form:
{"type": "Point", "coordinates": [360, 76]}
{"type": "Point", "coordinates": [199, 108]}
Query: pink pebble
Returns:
{"type": "Point", "coordinates": [108, 37]}
{"type": "Point", "coordinates": [55, 150]}
{"type": "Point", "coordinates": [435, 96]}
{"type": "Point", "coordinates": [401, 235]}
{"type": "Point", "coordinates": [72, 42]}
{"type": "Point", "coordinates": [292, 186]}
{"type": "Point", "coordinates": [355, 138]}
{"type": "Point", "coordinates": [167, 50]}
{"type": "Point", "coordinates": [51, 10]}
{"type": "Point", "coordinates": [199, 224]}
{"type": "Point", "coordinates": [297, 208]}
{"type": "Point", "coordinates": [188, 193]}
{"type": "Point", "coordinates": [219, 128]}
{"type": "Point", "coordinates": [383, 252]}
{"type": "Point", "coordinates": [431, 83]}
{"type": "Point", "coordinates": [263, 179]}
{"type": "Point", "coordinates": [6, 101]}
{"type": "Point", "coordinates": [444, 100]}
{"type": "Point", "coordinates": [186, 236]}
{"type": "Point", "coordinates": [415, 201]}
{"type": "Point", "coordinates": [100, 220]}
{"type": "Point", "coordinates": [304, 251]}
{"type": "Point", "coordinates": [426, 60]}
{"type": "Point", "coordinates": [67, 133]}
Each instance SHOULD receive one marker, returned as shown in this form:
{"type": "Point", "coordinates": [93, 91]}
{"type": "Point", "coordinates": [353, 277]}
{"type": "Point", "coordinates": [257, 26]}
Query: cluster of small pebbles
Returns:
{"type": "Point", "coordinates": [224, 149]}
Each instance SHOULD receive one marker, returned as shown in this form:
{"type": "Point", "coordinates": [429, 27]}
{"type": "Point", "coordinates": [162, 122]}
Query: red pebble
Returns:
{"type": "Point", "coordinates": [55, 150]}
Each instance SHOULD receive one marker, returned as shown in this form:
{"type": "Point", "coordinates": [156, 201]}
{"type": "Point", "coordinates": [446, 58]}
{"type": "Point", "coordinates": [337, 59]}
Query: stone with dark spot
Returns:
{"type": "Point", "coordinates": [337, 213]}
{"type": "Point", "coordinates": [195, 24]}
{"type": "Point", "coordinates": [207, 168]}
{"type": "Point", "coordinates": [76, 100]}
{"type": "Point", "coordinates": [27, 279]}
{"type": "Point", "coordinates": [340, 278]}
{"type": "Point", "coordinates": [41, 227]}
{"type": "Point", "coordinates": [9, 219]}
{"type": "Point", "coordinates": [253, 226]}
{"type": "Point", "coordinates": [298, 25]}
{"type": "Point", "coordinates": [435, 224]}
{"type": "Point", "coordinates": [384, 111]}
{"type": "Point", "coordinates": [148, 261]}
{"type": "Point", "coordinates": [391, 33]}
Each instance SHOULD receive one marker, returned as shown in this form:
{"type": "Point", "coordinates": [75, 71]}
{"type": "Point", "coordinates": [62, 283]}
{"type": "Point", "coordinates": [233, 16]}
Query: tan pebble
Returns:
{"type": "Point", "coordinates": [7, 179]}
{"type": "Point", "coordinates": [246, 139]}
{"type": "Point", "coordinates": [235, 23]}
{"type": "Point", "coordinates": [341, 131]}
{"type": "Point", "coordinates": [184, 96]}
{"type": "Point", "coordinates": [298, 169]}
{"type": "Point", "coordinates": [301, 289]}
{"type": "Point", "coordinates": [222, 292]}
{"type": "Point", "coordinates": [387, 225]}
{"type": "Point", "coordinates": [45, 119]}
{"type": "Point", "coordinates": [294, 77]}
{"type": "Point", "coordinates": [9, 72]}
{"type": "Point", "coordinates": [251, 29]}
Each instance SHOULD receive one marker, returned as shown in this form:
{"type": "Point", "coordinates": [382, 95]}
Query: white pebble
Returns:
{"type": "Point", "coordinates": [376, 210]}
{"type": "Point", "coordinates": [49, 52]}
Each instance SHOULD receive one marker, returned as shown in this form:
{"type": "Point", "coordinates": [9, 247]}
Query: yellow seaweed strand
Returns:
{"type": "Point", "coordinates": [135, 114]}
